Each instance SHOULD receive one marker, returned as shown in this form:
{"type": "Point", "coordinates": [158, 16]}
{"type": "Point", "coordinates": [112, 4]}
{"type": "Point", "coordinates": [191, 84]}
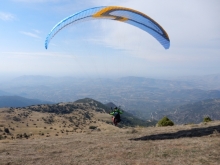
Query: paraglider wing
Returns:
{"type": "Point", "coordinates": [122, 14]}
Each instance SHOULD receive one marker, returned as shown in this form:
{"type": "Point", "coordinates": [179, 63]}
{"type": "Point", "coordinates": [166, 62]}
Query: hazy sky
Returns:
{"type": "Point", "coordinates": [106, 47]}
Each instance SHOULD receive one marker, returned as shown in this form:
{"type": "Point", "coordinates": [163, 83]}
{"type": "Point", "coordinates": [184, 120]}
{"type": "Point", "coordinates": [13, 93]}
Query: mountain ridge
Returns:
{"type": "Point", "coordinates": [18, 101]}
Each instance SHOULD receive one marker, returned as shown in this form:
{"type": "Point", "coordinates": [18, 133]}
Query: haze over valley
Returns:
{"type": "Point", "coordinates": [139, 96]}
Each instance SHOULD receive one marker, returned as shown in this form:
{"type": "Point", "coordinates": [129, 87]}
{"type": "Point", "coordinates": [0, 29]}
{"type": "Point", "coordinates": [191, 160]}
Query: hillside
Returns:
{"type": "Point", "coordinates": [192, 113]}
{"type": "Point", "coordinates": [52, 120]}
{"type": "Point", "coordinates": [81, 132]}
{"type": "Point", "coordinates": [18, 101]}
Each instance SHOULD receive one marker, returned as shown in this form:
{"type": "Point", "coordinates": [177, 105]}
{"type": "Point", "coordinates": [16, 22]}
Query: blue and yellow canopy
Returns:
{"type": "Point", "coordinates": [121, 14]}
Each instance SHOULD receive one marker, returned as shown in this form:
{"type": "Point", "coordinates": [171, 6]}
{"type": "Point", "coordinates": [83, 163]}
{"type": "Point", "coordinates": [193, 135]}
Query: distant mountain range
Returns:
{"type": "Point", "coordinates": [3, 93]}
{"type": "Point", "coordinates": [137, 95]}
{"type": "Point", "coordinates": [17, 101]}
{"type": "Point", "coordinates": [192, 113]}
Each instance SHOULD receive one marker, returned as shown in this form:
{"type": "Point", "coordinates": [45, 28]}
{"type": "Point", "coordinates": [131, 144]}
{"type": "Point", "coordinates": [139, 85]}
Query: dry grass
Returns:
{"type": "Point", "coordinates": [66, 143]}
{"type": "Point", "coordinates": [20, 121]}
{"type": "Point", "coordinates": [113, 146]}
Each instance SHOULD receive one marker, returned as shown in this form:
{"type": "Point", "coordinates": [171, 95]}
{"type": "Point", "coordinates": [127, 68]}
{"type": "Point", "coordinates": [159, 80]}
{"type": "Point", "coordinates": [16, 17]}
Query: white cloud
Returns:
{"type": "Point", "coordinates": [30, 34]}
{"type": "Point", "coordinates": [190, 25]}
{"type": "Point", "coordinates": [6, 16]}
{"type": "Point", "coordinates": [37, 31]}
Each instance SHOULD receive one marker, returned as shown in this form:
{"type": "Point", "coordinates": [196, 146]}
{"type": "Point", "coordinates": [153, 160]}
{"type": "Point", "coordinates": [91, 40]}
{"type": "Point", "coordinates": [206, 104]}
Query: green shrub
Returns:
{"type": "Point", "coordinates": [207, 119]}
{"type": "Point", "coordinates": [165, 122]}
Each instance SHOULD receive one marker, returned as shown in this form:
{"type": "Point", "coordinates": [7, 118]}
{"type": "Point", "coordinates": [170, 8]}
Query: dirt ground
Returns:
{"type": "Point", "coordinates": [177, 145]}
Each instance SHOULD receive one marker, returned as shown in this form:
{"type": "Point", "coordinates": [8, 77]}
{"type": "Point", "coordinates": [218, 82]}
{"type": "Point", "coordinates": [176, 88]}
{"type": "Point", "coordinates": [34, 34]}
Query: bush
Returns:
{"type": "Point", "coordinates": [41, 133]}
{"type": "Point", "coordinates": [25, 135]}
{"type": "Point", "coordinates": [92, 127]}
{"type": "Point", "coordinates": [15, 118]}
{"type": "Point", "coordinates": [6, 130]}
{"type": "Point", "coordinates": [165, 122]}
{"type": "Point", "coordinates": [19, 136]}
{"type": "Point", "coordinates": [207, 119]}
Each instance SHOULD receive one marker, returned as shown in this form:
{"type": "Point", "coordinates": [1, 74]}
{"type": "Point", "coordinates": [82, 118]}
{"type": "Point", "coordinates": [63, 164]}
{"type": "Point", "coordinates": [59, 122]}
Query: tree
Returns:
{"type": "Point", "coordinates": [165, 122]}
{"type": "Point", "coordinates": [207, 119]}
